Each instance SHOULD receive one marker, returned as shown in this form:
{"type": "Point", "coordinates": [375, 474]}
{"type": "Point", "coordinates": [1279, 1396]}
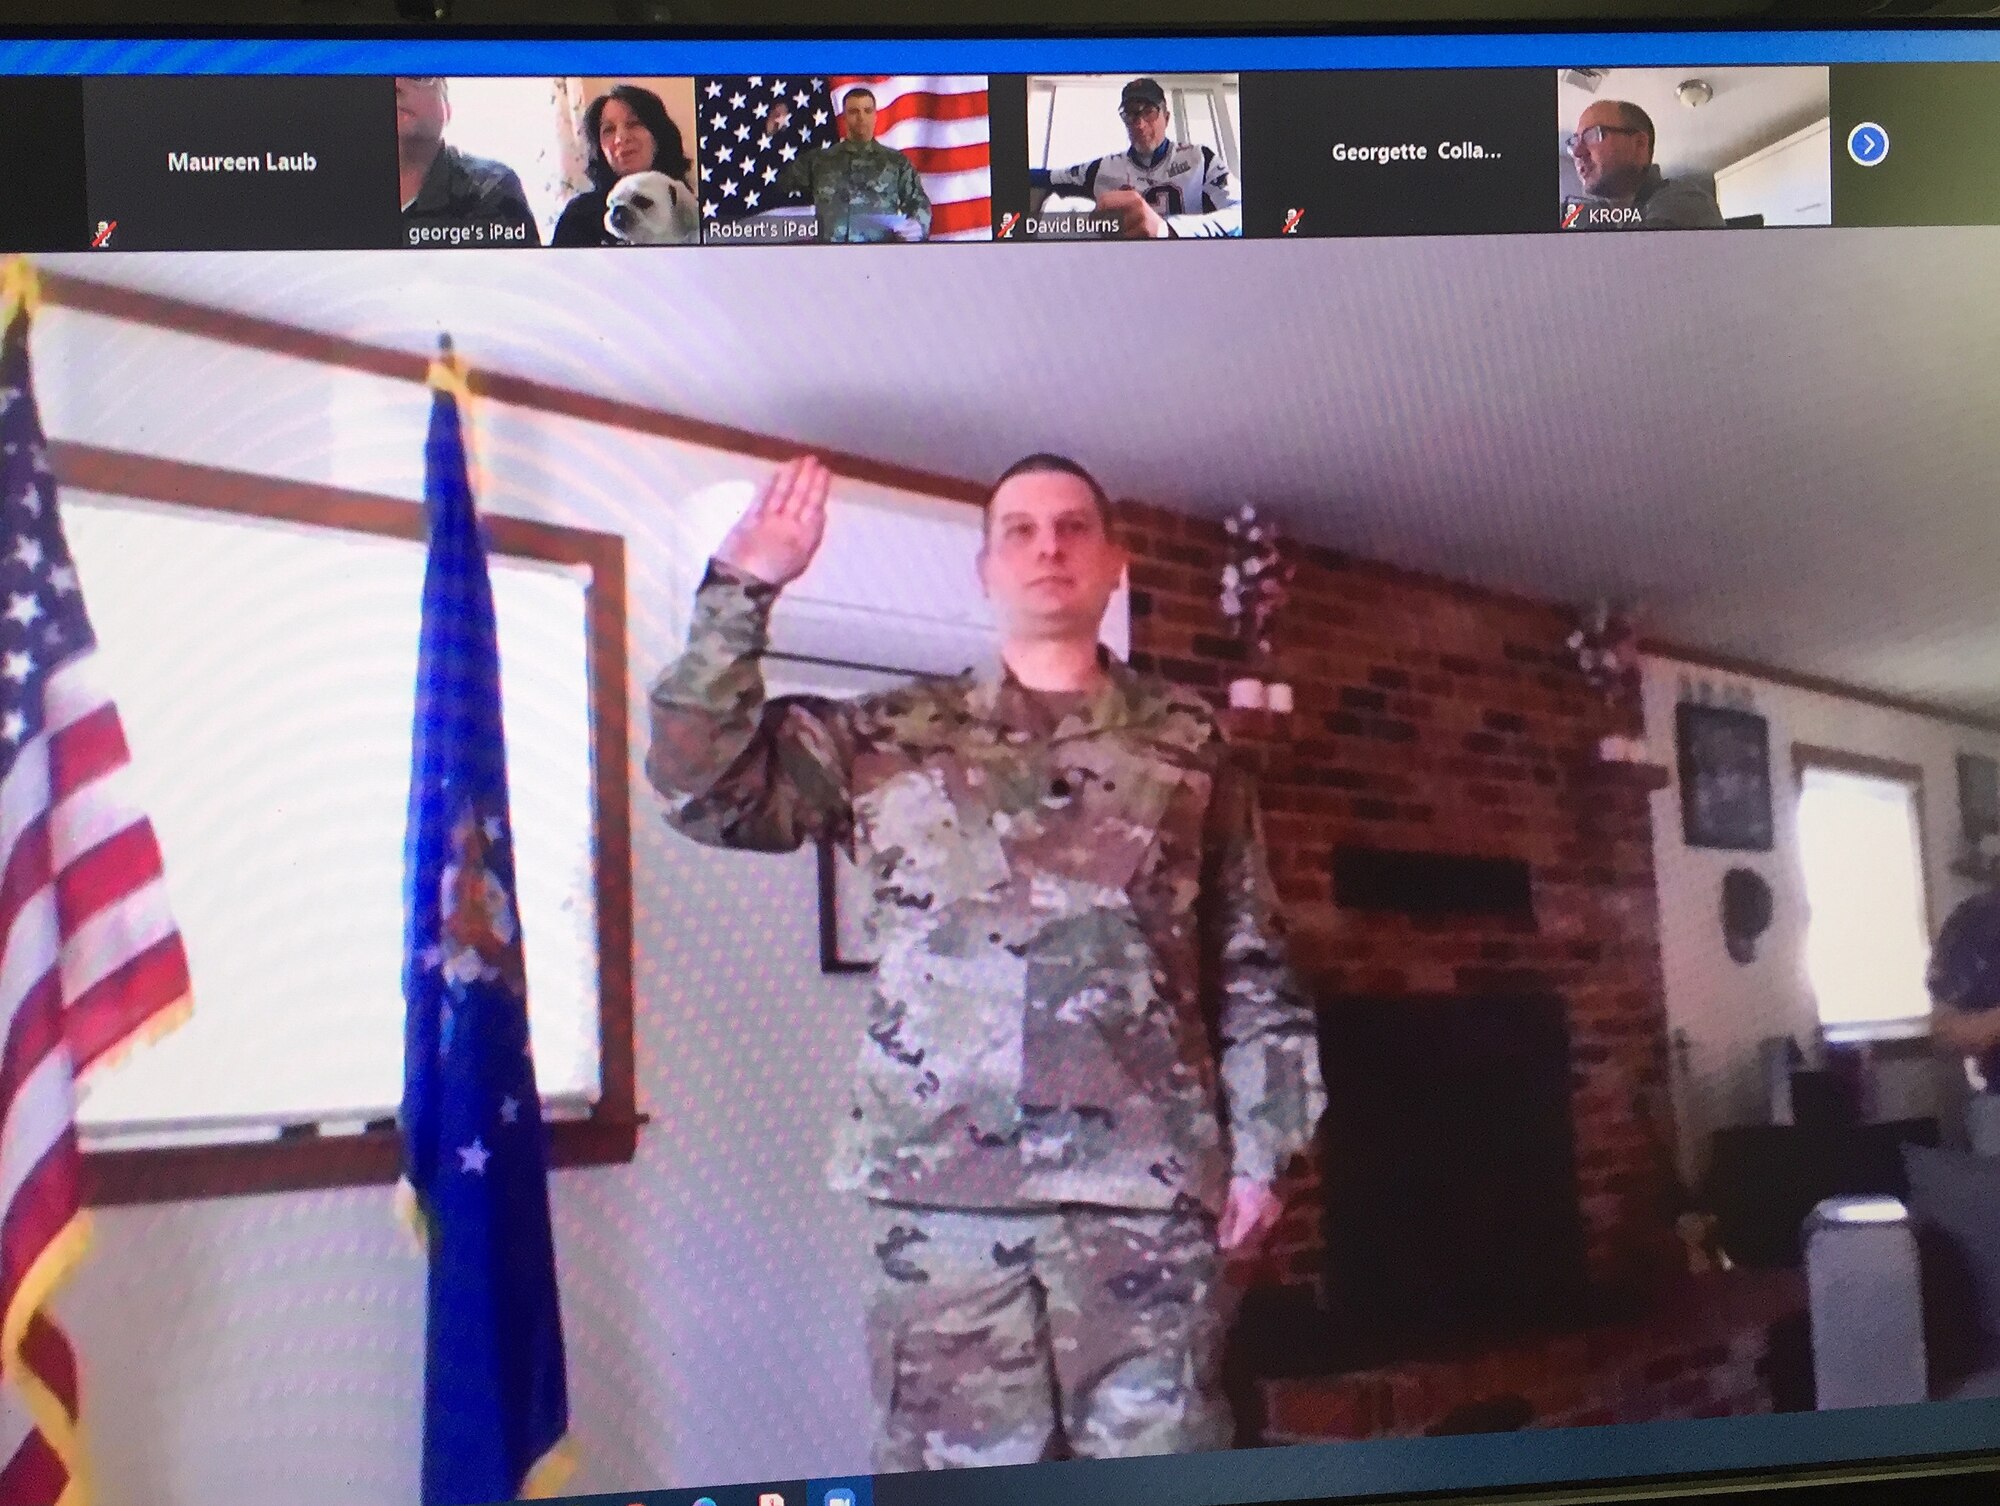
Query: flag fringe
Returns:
{"type": "Point", "coordinates": [550, 1472]}
{"type": "Point", "coordinates": [413, 1216]}
{"type": "Point", "coordinates": [20, 290]}
{"type": "Point", "coordinates": [447, 374]}
{"type": "Point", "coordinates": [162, 1022]}
{"type": "Point", "coordinates": [49, 1273]}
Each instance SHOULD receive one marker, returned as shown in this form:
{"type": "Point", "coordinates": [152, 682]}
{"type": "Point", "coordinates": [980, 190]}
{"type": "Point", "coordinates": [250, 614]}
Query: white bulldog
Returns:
{"type": "Point", "coordinates": [651, 209]}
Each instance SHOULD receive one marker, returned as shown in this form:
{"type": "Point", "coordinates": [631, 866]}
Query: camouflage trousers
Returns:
{"type": "Point", "coordinates": [1007, 1338]}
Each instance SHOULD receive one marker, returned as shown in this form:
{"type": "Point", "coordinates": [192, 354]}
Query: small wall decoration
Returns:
{"type": "Point", "coordinates": [1725, 777]}
{"type": "Point", "coordinates": [1256, 581]}
{"type": "Point", "coordinates": [1746, 913]}
{"type": "Point", "coordinates": [1606, 645]}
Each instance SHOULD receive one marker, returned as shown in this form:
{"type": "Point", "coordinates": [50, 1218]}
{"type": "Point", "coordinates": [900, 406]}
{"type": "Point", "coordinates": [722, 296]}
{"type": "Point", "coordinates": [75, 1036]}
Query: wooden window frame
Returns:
{"type": "Point", "coordinates": [1839, 761]}
{"type": "Point", "coordinates": [302, 1158]}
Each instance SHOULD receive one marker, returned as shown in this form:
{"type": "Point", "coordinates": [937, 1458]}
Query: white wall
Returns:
{"type": "Point", "coordinates": [270, 1348]}
{"type": "Point", "coordinates": [1720, 1010]}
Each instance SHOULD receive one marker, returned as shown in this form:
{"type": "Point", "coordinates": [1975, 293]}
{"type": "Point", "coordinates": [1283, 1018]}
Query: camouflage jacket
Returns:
{"type": "Point", "coordinates": [852, 185]}
{"type": "Point", "coordinates": [1082, 995]}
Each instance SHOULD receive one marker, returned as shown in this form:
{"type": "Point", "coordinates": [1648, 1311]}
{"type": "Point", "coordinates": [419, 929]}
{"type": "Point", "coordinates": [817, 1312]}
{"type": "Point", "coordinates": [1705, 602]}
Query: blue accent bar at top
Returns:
{"type": "Point", "coordinates": [602, 55]}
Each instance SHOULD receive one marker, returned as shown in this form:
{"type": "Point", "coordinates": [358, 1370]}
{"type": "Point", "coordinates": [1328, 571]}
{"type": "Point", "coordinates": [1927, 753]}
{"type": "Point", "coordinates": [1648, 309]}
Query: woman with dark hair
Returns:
{"type": "Point", "coordinates": [624, 132]}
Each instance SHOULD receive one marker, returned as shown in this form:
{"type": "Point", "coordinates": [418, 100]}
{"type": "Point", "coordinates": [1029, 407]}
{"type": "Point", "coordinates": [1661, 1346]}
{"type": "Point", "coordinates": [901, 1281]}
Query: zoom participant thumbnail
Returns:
{"type": "Point", "coordinates": [857, 159]}
{"type": "Point", "coordinates": [209, 163]}
{"type": "Point", "coordinates": [1125, 157]}
{"type": "Point", "coordinates": [1396, 153]}
{"type": "Point", "coordinates": [1693, 148]}
{"type": "Point", "coordinates": [489, 162]}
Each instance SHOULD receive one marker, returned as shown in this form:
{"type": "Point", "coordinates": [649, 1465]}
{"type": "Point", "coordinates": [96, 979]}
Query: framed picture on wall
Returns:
{"type": "Point", "coordinates": [1725, 777]}
{"type": "Point", "coordinates": [844, 888]}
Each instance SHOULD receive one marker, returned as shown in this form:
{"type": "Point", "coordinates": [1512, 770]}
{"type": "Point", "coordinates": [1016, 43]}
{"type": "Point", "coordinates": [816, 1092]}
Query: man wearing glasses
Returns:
{"type": "Point", "coordinates": [452, 198]}
{"type": "Point", "coordinates": [1622, 185]}
{"type": "Point", "coordinates": [1158, 188]}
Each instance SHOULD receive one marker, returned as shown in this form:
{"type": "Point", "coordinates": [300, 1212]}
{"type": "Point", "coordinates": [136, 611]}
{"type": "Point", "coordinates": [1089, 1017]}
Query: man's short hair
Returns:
{"type": "Point", "coordinates": [1633, 118]}
{"type": "Point", "coordinates": [1044, 463]}
{"type": "Point", "coordinates": [857, 89]}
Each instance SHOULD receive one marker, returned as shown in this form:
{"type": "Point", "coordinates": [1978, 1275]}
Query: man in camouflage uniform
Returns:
{"type": "Point", "coordinates": [861, 189]}
{"type": "Point", "coordinates": [1085, 1060]}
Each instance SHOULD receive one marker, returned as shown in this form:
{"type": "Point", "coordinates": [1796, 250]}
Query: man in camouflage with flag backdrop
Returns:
{"type": "Point", "coordinates": [1085, 1059]}
{"type": "Point", "coordinates": [860, 189]}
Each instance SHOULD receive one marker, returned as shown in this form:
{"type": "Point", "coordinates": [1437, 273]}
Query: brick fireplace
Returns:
{"type": "Point", "coordinates": [1434, 719]}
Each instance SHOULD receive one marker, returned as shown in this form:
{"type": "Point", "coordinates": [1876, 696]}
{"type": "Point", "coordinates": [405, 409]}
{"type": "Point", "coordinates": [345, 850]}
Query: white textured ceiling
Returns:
{"type": "Point", "coordinates": [1781, 444]}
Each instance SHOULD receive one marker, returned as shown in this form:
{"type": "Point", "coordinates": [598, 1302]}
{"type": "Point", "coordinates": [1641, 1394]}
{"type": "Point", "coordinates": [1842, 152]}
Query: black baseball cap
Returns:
{"type": "Point", "coordinates": [1142, 91]}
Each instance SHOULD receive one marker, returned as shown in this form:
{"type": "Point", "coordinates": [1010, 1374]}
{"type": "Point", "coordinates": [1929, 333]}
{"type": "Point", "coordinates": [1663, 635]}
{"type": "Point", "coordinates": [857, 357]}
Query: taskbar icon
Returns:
{"type": "Point", "coordinates": [847, 1491]}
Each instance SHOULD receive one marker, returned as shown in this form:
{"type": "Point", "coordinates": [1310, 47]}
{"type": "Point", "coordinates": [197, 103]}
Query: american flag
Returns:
{"type": "Point", "coordinates": [744, 148]}
{"type": "Point", "coordinates": [91, 961]}
{"type": "Point", "coordinates": [938, 122]}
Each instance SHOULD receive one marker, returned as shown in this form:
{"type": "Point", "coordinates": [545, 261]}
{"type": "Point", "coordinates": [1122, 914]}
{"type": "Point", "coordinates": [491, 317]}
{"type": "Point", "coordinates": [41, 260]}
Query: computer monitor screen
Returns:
{"type": "Point", "coordinates": [896, 770]}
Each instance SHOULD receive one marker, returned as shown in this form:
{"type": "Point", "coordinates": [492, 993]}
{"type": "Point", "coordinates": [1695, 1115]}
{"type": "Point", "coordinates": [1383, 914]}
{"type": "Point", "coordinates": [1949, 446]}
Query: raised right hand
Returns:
{"type": "Point", "coordinates": [777, 537]}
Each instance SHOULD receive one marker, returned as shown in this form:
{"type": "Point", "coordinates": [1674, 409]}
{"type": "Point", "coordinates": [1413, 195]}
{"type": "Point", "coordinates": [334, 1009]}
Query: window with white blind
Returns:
{"type": "Point", "coordinates": [1868, 931]}
{"type": "Point", "coordinates": [265, 673]}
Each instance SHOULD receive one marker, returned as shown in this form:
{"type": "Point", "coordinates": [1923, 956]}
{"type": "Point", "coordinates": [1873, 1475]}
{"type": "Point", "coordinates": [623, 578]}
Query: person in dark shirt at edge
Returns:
{"type": "Point", "coordinates": [444, 188]}
{"type": "Point", "coordinates": [624, 132]}
{"type": "Point", "coordinates": [1964, 985]}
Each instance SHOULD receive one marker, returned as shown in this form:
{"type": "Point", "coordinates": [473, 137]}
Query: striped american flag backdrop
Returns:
{"type": "Point", "coordinates": [90, 960]}
{"type": "Point", "coordinates": [939, 123]}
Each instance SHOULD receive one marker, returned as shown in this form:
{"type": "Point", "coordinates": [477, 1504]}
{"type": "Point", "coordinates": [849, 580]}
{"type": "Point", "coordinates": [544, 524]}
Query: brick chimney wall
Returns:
{"type": "Point", "coordinates": [1437, 717]}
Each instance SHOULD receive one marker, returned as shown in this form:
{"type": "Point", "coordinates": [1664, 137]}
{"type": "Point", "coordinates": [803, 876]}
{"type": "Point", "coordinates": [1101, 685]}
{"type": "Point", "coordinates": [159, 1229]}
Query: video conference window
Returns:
{"type": "Point", "coordinates": [1118, 157]}
{"type": "Point", "coordinates": [847, 160]}
{"type": "Point", "coordinates": [546, 161]}
{"type": "Point", "coordinates": [1395, 937]}
{"type": "Point", "coordinates": [1693, 148]}
{"type": "Point", "coordinates": [1489, 960]}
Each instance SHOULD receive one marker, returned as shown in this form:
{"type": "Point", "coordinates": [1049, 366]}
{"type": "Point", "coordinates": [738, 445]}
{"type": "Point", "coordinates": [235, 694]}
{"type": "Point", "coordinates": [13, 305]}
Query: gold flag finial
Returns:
{"type": "Point", "coordinates": [447, 372]}
{"type": "Point", "coordinates": [20, 289]}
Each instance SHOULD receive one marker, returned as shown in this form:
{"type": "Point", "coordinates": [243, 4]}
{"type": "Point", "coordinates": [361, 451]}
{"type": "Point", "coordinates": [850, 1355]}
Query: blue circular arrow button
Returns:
{"type": "Point", "coordinates": [1868, 143]}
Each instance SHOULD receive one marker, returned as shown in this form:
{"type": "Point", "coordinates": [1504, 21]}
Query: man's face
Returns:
{"type": "Point", "coordinates": [775, 121]}
{"type": "Point", "coordinates": [1611, 166]}
{"type": "Point", "coordinates": [1145, 124]}
{"type": "Point", "coordinates": [421, 111]}
{"type": "Point", "coordinates": [1047, 565]}
{"type": "Point", "coordinates": [858, 114]}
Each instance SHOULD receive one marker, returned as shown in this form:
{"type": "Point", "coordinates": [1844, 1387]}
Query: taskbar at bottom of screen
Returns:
{"type": "Point", "coordinates": [850, 1491]}
{"type": "Point", "coordinates": [1613, 1460]}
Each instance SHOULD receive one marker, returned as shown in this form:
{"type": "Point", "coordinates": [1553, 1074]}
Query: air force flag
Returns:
{"type": "Point", "coordinates": [475, 1155]}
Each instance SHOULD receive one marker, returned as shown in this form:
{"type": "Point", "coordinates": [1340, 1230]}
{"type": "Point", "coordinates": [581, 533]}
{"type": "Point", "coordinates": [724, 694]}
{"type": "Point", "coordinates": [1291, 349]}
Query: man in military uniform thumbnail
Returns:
{"type": "Point", "coordinates": [860, 189]}
{"type": "Point", "coordinates": [1157, 187]}
{"type": "Point", "coordinates": [1085, 1059]}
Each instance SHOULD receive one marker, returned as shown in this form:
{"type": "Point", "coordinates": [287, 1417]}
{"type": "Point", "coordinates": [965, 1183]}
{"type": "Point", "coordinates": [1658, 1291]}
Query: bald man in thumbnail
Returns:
{"type": "Point", "coordinates": [1613, 151]}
